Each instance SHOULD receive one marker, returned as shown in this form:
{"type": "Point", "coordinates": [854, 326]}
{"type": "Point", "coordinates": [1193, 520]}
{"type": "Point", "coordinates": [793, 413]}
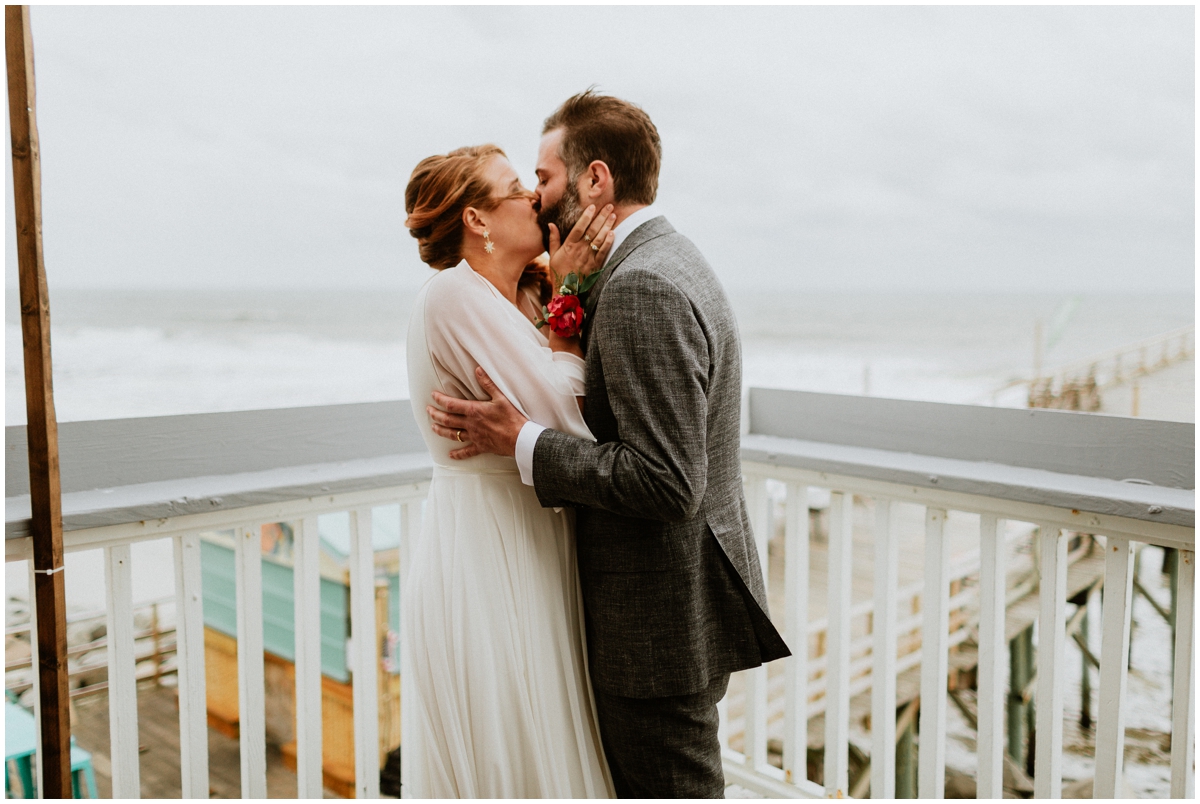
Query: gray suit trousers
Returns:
{"type": "Point", "coordinates": [664, 747]}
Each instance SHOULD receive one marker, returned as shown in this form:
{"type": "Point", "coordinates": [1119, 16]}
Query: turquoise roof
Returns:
{"type": "Point", "coordinates": [385, 530]}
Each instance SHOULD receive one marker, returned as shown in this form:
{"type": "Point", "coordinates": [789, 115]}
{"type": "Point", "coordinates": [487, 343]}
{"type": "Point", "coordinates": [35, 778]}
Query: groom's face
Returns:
{"type": "Point", "coordinates": [558, 200]}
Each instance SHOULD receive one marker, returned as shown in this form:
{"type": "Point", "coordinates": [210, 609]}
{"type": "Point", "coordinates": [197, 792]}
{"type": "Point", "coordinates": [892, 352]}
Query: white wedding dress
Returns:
{"type": "Point", "coordinates": [493, 618]}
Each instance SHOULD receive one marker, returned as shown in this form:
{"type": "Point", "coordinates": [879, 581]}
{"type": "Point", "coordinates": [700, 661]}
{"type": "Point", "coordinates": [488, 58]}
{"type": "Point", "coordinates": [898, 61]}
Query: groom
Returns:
{"type": "Point", "coordinates": [672, 587]}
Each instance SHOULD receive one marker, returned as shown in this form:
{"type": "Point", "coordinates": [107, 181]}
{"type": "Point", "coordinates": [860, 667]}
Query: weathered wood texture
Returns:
{"type": "Point", "coordinates": [1051, 662]}
{"type": "Point", "coordinates": [126, 452]}
{"type": "Point", "coordinates": [994, 486]}
{"type": "Point", "coordinates": [42, 432]}
{"type": "Point", "coordinates": [306, 578]}
{"type": "Point", "coordinates": [935, 663]}
{"type": "Point", "coordinates": [993, 586]}
{"type": "Point", "coordinates": [1183, 715]}
{"type": "Point", "coordinates": [159, 734]}
{"type": "Point", "coordinates": [364, 655]}
{"type": "Point", "coordinates": [1066, 442]}
{"type": "Point", "coordinates": [189, 648]}
{"type": "Point", "coordinates": [252, 730]}
{"type": "Point", "coordinates": [795, 613]}
{"type": "Point", "coordinates": [122, 679]}
{"type": "Point", "coordinates": [132, 470]}
{"type": "Point", "coordinates": [883, 652]}
{"type": "Point", "coordinates": [1118, 605]}
{"type": "Point", "coordinates": [756, 678]}
{"type": "Point", "coordinates": [837, 670]}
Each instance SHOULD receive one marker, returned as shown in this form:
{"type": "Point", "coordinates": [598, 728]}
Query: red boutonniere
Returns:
{"type": "Point", "coordinates": [564, 314]}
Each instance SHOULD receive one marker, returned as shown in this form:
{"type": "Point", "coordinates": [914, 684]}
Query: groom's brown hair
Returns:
{"type": "Point", "coordinates": [616, 132]}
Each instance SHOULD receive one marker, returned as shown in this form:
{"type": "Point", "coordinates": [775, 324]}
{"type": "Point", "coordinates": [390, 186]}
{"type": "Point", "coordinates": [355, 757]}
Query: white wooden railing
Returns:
{"type": "Point", "coordinates": [140, 480]}
{"type": "Point", "coordinates": [184, 532]}
{"type": "Point", "coordinates": [1056, 502]}
{"type": "Point", "coordinates": [173, 478]}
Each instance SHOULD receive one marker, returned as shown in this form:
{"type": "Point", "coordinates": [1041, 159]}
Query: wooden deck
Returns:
{"type": "Point", "coordinates": [158, 731]}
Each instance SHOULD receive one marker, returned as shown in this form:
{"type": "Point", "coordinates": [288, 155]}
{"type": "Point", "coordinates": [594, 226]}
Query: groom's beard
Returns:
{"type": "Point", "coordinates": [565, 214]}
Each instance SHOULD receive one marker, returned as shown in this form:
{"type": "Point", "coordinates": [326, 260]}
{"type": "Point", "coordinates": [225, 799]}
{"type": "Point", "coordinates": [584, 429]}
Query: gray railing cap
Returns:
{"type": "Point", "coordinates": [1086, 444]}
{"type": "Point", "coordinates": [128, 470]}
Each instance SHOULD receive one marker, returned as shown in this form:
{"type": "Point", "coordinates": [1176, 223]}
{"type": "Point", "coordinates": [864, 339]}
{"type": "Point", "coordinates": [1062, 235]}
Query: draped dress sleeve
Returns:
{"type": "Point", "coordinates": [468, 324]}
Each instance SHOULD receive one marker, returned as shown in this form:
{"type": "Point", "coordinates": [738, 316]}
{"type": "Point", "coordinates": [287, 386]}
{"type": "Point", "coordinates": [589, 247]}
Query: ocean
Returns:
{"type": "Point", "coordinates": [129, 353]}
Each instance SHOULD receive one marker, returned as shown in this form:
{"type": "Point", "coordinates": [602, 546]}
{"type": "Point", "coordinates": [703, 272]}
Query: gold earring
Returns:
{"type": "Point", "coordinates": [488, 245]}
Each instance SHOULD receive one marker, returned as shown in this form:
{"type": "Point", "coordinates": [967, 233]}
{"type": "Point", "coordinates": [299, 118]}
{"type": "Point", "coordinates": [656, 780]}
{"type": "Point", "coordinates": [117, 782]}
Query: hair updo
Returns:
{"type": "Point", "coordinates": [440, 188]}
{"type": "Point", "coordinates": [438, 191]}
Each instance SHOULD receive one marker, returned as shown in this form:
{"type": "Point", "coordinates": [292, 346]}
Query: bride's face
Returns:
{"type": "Point", "coordinates": [513, 222]}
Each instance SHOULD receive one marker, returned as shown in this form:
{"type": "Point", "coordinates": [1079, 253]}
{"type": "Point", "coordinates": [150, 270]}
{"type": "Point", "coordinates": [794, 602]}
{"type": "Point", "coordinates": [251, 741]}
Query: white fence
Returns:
{"type": "Point", "coordinates": [846, 676]}
{"type": "Point", "coordinates": [1126, 481]}
{"type": "Point", "coordinates": [184, 532]}
{"type": "Point", "coordinates": [121, 486]}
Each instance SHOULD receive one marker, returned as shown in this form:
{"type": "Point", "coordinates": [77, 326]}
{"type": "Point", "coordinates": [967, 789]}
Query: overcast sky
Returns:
{"type": "Point", "coordinates": [934, 148]}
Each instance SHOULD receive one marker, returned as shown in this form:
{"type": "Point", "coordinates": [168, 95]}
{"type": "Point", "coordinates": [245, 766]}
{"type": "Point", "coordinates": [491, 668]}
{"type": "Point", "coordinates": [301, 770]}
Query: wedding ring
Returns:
{"type": "Point", "coordinates": [587, 238]}
{"type": "Point", "coordinates": [458, 435]}
{"type": "Point", "coordinates": [595, 247]}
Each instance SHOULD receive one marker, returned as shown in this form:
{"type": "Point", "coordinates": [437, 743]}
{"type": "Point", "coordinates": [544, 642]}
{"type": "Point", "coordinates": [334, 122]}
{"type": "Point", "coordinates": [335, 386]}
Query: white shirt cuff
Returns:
{"type": "Point", "coordinates": [526, 441]}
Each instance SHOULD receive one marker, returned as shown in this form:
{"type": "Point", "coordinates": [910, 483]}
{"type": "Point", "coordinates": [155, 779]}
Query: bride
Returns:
{"type": "Point", "coordinates": [492, 611]}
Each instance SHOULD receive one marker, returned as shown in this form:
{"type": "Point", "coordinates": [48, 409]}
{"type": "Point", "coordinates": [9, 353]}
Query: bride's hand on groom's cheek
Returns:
{"type": "Point", "coordinates": [586, 246]}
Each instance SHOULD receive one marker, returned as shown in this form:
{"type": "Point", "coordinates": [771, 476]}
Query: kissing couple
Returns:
{"type": "Point", "coordinates": [586, 579]}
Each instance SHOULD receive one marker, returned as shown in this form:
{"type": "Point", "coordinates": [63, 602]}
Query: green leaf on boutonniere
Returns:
{"type": "Point", "coordinates": [590, 280]}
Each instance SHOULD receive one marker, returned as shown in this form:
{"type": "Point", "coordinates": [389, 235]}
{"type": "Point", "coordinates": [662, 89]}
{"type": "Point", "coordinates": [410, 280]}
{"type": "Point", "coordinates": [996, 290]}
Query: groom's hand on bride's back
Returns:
{"type": "Point", "coordinates": [481, 427]}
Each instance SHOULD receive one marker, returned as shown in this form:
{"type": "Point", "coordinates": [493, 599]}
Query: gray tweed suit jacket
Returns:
{"type": "Point", "coordinates": [672, 587]}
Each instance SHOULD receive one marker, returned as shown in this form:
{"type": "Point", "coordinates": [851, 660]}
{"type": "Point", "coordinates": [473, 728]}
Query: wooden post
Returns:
{"type": "Point", "coordinates": [1020, 658]}
{"type": "Point", "coordinates": [41, 426]}
{"type": "Point", "coordinates": [1085, 683]}
{"type": "Point", "coordinates": [1171, 566]}
{"type": "Point", "coordinates": [906, 756]}
{"type": "Point", "coordinates": [154, 633]}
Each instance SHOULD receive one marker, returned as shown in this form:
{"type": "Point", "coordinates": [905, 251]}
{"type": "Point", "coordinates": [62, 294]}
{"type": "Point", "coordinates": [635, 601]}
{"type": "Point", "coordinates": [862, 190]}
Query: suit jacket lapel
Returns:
{"type": "Point", "coordinates": [655, 227]}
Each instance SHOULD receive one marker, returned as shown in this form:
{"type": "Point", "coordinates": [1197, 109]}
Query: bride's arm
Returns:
{"type": "Point", "coordinates": [466, 327]}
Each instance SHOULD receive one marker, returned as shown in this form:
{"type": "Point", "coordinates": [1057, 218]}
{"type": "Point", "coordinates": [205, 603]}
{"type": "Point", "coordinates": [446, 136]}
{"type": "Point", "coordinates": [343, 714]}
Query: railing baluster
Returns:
{"type": "Point", "coordinates": [410, 523]}
{"type": "Point", "coordinates": [252, 734]}
{"type": "Point", "coordinates": [1110, 727]}
{"type": "Point", "coordinates": [759, 503]}
{"type": "Point", "coordinates": [795, 585]}
{"type": "Point", "coordinates": [122, 674]}
{"type": "Point", "coordinates": [837, 667]}
{"type": "Point", "coordinates": [307, 592]}
{"type": "Point", "coordinates": [883, 649]}
{"type": "Point", "coordinates": [993, 574]}
{"type": "Point", "coordinates": [189, 660]}
{"type": "Point", "coordinates": [1183, 713]}
{"type": "Point", "coordinates": [756, 678]}
{"type": "Point", "coordinates": [935, 639]}
{"type": "Point", "coordinates": [35, 677]}
{"type": "Point", "coordinates": [366, 655]}
{"type": "Point", "coordinates": [1051, 662]}
{"type": "Point", "coordinates": [755, 717]}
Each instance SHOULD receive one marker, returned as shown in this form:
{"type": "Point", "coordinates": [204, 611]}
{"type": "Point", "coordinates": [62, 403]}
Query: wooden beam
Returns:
{"type": "Point", "coordinates": [42, 427]}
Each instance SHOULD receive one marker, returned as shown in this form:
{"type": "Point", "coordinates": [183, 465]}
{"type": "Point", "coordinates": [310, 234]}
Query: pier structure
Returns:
{"type": "Point", "coordinates": [919, 543]}
{"type": "Point", "coordinates": [1153, 377]}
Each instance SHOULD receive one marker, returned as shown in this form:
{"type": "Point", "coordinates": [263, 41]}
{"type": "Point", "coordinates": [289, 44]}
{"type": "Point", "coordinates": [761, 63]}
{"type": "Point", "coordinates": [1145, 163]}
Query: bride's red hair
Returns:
{"type": "Point", "coordinates": [440, 189]}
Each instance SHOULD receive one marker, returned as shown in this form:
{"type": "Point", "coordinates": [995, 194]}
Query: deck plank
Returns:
{"type": "Point", "coordinates": [158, 735]}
